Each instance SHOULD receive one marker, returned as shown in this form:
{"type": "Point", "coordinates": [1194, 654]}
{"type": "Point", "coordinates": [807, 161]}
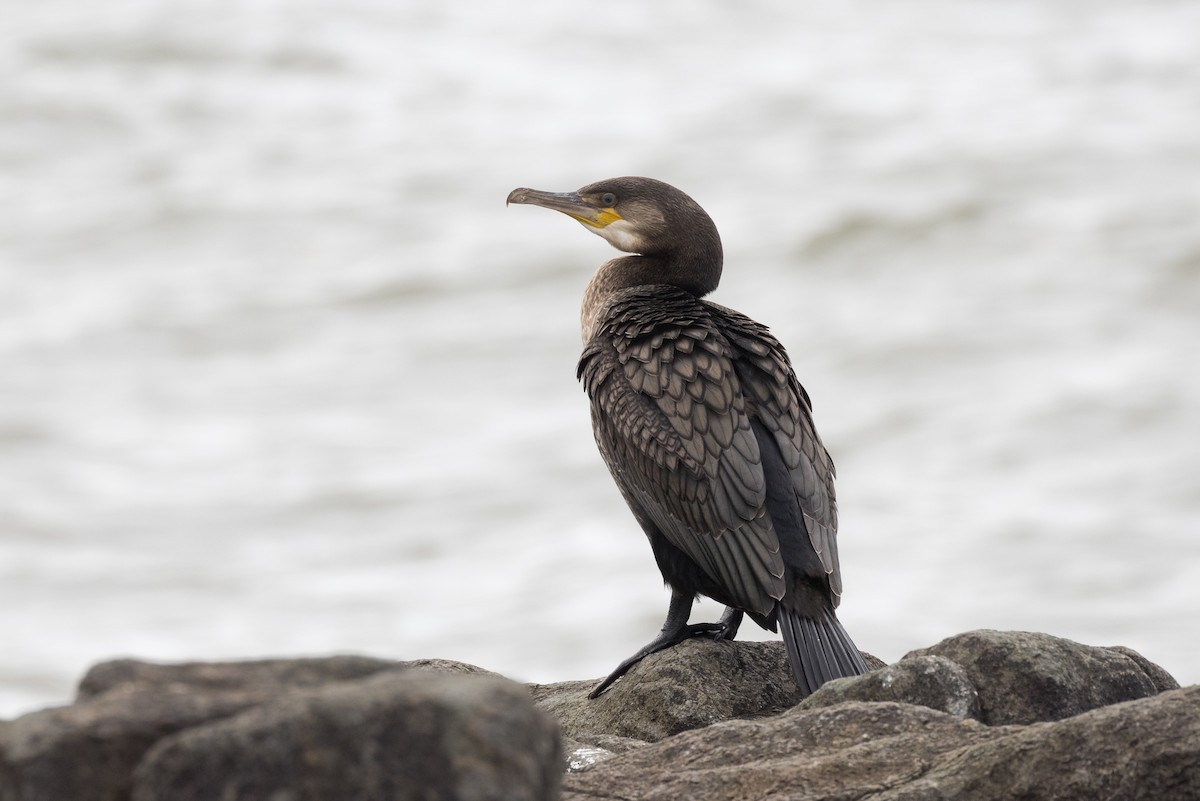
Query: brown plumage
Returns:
{"type": "Point", "coordinates": [706, 431]}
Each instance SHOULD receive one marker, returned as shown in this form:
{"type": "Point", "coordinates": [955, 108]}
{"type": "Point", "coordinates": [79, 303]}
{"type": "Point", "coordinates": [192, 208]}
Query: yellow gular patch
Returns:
{"type": "Point", "coordinates": [603, 218]}
{"type": "Point", "coordinates": [607, 216]}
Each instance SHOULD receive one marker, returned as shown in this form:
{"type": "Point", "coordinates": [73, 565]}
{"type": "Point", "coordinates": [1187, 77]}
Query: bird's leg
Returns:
{"type": "Point", "coordinates": [675, 630]}
{"type": "Point", "coordinates": [727, 626]}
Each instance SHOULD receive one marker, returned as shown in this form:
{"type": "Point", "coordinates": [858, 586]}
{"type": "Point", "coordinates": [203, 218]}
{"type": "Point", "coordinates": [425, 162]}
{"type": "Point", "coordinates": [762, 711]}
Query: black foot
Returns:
{"type": "Point", "coordinates": [727, 627]}
{"type": "Point", "coordinates": [664, 640]}
{"type": "Point", "coordinates": [674, 631]}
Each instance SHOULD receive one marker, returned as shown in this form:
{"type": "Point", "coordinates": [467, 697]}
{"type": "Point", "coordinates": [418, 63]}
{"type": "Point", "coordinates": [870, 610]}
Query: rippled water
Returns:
{"type": "Point", "coordinates": [279, 372]}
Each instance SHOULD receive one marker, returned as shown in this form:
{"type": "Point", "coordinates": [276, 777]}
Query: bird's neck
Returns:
{"type": "Point", "coordinates": [694, 274]}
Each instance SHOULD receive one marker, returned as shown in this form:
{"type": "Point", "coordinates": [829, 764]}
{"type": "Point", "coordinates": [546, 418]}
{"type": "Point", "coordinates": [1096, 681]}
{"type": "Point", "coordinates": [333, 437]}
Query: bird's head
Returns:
{"type": "Point", "coordinates": [638, 215]}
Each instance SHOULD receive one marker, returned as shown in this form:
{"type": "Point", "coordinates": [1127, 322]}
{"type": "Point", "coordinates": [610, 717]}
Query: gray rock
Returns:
{"type": "Point", "coordinates": [578, 755]}
{"type": "Point", "coordinates": [394, 736]}
{"type": "Point", "coordinates": [702, 720]}
{"type": "Point", "coordinates": [844, 751]}
{"type": "Point", "coordinates": [696, 683]}
{"type": "Point", "coordinates": [1147, 749]}
{"type": "Point", "coordinates": [89, 750]}
{"type": "Point", "coordinates": [263, 677]}
{"type": "Point", "coordinates": [930, 681]}
{"type": "Point", "coordinates": [1024, 677]}
{"type": "Point", "coordinates": [1161, 679]}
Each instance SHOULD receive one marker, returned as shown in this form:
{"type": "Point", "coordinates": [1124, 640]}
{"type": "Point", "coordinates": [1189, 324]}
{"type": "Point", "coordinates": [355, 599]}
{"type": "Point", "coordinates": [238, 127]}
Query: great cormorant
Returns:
{"type": "Point", "coordinates": [706, 431]}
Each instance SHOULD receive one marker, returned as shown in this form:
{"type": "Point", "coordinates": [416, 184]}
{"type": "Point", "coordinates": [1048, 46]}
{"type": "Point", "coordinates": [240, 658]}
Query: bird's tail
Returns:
{"type": "Point", "coordinates": [819, 649]}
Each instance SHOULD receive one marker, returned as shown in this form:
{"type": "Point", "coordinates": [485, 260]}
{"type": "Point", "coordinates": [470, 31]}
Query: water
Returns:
{"type": "Point", "coordinates": [280, 373]}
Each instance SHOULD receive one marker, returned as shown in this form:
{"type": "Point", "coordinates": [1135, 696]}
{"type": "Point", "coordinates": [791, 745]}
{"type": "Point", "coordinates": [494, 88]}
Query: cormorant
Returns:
{"type": "Point", "coordinates": [706, 431]}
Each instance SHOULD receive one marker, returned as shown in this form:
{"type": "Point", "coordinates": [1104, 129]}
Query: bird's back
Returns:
{"type": "Point", "coordinates": [682, 392]}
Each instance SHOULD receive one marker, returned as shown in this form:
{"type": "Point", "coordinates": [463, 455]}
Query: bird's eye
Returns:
{"type": "Point", "coordinates": [608, 199]}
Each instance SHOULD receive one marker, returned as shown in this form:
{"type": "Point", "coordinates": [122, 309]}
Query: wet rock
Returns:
{"type": "Point", "coordinates": [1025, 677]}
{"type": "Point", "coordinates": [929, 681]}
{"type": "Point", "coordinates": [393, 736]}
{"type": "Point", "coordinates": [1147, 749]}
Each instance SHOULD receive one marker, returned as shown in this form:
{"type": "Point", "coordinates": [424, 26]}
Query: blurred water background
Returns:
{"type": "Point", "coordinates": [280, 374]}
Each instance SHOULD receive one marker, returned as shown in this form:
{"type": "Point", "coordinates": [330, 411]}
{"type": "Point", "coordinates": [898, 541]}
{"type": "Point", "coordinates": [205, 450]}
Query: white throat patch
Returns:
{"type": "Point", "coordinates": [620, 234]}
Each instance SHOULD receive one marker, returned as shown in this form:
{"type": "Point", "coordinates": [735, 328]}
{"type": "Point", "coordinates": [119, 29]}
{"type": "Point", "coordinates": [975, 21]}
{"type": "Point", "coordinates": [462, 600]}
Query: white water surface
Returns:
{"type": "Point", "coordinates": [280, 374]}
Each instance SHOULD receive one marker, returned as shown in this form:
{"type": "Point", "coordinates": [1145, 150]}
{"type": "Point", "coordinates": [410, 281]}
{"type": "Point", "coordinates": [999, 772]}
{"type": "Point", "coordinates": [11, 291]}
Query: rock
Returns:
{"type": "Point", "coordinates": [579, 755]}
{"type": "Point", "coordinates": [703, 720]}
{"type": "Point", "coordinates": [1146, 749]}
{"type": "Point", "coordinates": [263, 677]}
{"type": "Point", "coordinates": [1161, 679]}
{"type": "Point", "coordinates": [89, 750]}
{"type": "Point", "coordinates": [393, 736]}
{"type": "Point", "coordinates": [1023, 677]}
{"type": "Point", "coordinates": [819, 753]}
{"type": "Point", "coordinates": [930, 681]}
{"type": "Point", "coordinates": [696, 683]}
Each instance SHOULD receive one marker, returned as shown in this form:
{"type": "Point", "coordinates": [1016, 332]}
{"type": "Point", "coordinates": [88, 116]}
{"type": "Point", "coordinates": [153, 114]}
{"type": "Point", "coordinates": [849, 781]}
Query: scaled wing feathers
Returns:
{"type": "Point", "coordinates": [783, 406]}
{"type": "Point", "coordinates": [674, 381]}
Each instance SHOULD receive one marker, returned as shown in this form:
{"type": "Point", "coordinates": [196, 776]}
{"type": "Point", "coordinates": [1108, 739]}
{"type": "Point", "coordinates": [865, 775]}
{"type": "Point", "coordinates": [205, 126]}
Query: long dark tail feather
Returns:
{"type": "Point", "coordinates": [819, 649]}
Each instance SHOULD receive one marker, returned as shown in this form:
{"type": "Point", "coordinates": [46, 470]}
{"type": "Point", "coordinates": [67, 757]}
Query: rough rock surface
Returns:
{"type": "Point", "coordinates": [394, 736]}
{"type": "Point", "coordinates": [1023, 677]}
{"type": "Point", "coordinates": [813, 753]}
{"type": "Point", "coordinates": [261, 678]}
{"type": "Point", "coordinates": [1147, 749]}
{"type": "Point", "coordinates": [696, 683]}
{"type": "Point", "coordinates": [983, 715]}
{"type": "Point", "coordinates": [89, 750]}
{"type": "Point", "coordinates": [930, 681]}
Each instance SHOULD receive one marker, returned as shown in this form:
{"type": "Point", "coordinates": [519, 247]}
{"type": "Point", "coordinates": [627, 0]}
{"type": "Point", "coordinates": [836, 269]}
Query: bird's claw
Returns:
{"type": "Point", "coordinates": [715, 631]}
